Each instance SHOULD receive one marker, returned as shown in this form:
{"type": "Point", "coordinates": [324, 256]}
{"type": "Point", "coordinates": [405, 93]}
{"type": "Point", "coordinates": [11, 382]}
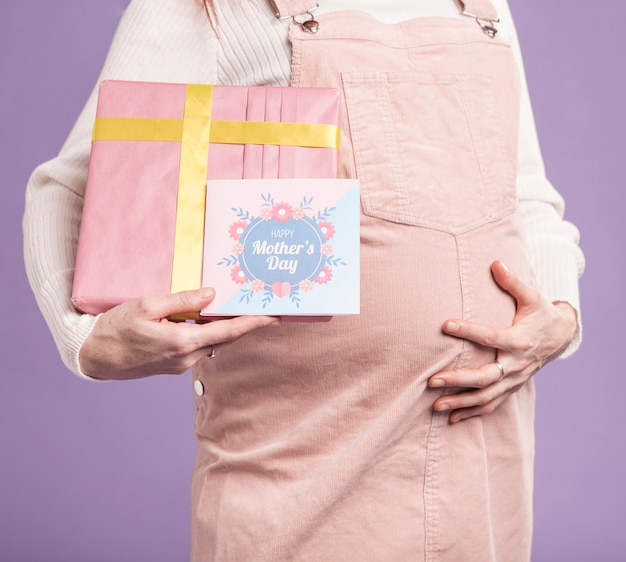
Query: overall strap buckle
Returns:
{"type": "Point", "coordinates": [488, 26]}
{"type": "Point", "coordinates": [299, 11]}
{"type": "Point", "coordinates": [483, 12]}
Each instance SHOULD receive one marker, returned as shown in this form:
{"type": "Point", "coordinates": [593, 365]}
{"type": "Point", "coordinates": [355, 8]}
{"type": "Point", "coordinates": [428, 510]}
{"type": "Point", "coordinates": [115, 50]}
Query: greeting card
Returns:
{"type": "Point", "coordinates": [282, 247]}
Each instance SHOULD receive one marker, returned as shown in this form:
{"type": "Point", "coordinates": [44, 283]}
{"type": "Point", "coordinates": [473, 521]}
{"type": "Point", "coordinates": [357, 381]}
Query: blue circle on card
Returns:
{"type": "Point", "coordinates": [282, 251]}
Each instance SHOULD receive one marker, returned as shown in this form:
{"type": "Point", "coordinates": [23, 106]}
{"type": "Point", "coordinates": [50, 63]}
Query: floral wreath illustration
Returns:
{"type": "Point", "coordinates": [259, 244]}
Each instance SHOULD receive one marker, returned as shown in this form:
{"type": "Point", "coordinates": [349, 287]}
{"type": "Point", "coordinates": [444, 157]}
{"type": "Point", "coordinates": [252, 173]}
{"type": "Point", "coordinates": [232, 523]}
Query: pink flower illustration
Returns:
{"type": "Point", "coordinates": [326, 249]}
{"type": "Point", "coordinates": [236, 229]}
{"type": "Point", "coordinates": [267, 213]}
{"type": "Point", "coordinates": [257, 286]}
{"type": "Point", "coordinates": [282, 212]}
{"type": "Point", "coordinates": [238, 276]}
{"type": "Point", "coordinates": [237, 249]}
{"type": "Point", "coordinates": [306, 286]}
{"type": "Point", "coordinates": [327, 229]}
{"type": "Point", "coordinates": [297, 213]}
{"type": "Point", "coordinates": [325, 276]}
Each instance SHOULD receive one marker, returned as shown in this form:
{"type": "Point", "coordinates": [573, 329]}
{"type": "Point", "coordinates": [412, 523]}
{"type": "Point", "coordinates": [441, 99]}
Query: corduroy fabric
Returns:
{"type": "Point", "coordinates": [319, 442]}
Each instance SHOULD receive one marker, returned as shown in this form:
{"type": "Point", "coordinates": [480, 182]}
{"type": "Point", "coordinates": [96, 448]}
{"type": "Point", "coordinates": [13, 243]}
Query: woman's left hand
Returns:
{"type": "Point", "coordinates": [540, 332]}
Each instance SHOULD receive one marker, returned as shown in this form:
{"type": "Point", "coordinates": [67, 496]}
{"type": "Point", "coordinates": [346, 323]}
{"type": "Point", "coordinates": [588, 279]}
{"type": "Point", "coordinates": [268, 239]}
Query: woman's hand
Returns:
{"type": "Point", "coordinates": [135, 339]}
{"type": "Point", "coordinates": [540, 332]}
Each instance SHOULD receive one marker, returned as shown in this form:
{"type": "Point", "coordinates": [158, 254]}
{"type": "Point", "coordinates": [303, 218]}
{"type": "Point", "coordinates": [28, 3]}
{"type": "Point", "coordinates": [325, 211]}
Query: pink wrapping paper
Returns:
{"type": "Point", "coordinates": [126, 242]}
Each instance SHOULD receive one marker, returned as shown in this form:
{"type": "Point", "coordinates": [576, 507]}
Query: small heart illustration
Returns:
{"type": "Point", "coordinates": [281, 289]}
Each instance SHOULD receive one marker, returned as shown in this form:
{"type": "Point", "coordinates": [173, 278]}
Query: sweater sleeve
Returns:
{"type": "Point", "coordinates": [556, 260]}
{"type": "Point", "coordinates": [156, 40]}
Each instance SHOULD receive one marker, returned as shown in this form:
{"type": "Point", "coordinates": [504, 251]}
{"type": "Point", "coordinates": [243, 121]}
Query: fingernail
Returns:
{"type": "Point", "coordinates": [452, 327]}
{"type": "Point", "coordinates": [506, 269]}
{"type": "Point", "coordinates": [207, 292]}
{"type": "Point", "coordinates": [442, 407]}
{"type": "Point", "coordinates": [436, 382]}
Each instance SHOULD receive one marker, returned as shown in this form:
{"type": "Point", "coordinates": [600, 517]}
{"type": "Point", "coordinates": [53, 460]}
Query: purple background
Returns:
{"type": "Point", "coordinates": [100, 472]}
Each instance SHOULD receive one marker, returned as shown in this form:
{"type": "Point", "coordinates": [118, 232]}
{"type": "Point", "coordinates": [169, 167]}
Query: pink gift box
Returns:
{"type": "Point", "coordinates": [154, 147]}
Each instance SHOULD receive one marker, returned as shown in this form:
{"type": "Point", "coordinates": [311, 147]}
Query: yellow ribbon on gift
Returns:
{"type": "Point", "coordinates": [224, 132]}
{"type": "Point", "coordinates": [195, 131]}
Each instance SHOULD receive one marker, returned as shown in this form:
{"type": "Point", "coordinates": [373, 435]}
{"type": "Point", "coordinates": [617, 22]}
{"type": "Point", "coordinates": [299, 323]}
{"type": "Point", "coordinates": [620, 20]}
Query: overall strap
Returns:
{"type": "Point", "coordinates": [291, 8]}
{"type": "Point", "coordinates": [483, 12]}
{"type": "Point", "coordinates": [300, 12]}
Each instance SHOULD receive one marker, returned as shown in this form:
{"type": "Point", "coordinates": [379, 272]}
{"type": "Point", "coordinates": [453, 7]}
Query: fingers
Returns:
{"type": "Point", "coordinates": [528, 299]}
{"type": "Point", "coordinates": [135, 339]}
{"type": "Point", "coordinates": [477, 402]}
{"type": "Point", "coordinates": [211, 335]}
{"type": "Point", "coordinates": [176, 303]}
{"type": "Point", "coordinates": [465, 413]}
{"type": "Point", "coordinates": [523, 293]}
{"type": "Point", "coordinates": [519, 348]}
{"type": "Point", "coordinates": [193, 342]}
{"type": "Point", "coordinates": [489, 389]}
{"type": "Point", "coordinates": [480, 377]}
{"type": "Point", "coordinates": [223, 331]}
{"type": "Point", "coordinates": [480, 397]}
{"type": "Point", "coordinates": [487, 335]}
{"type": "Point", "coordinates": [184, 344]}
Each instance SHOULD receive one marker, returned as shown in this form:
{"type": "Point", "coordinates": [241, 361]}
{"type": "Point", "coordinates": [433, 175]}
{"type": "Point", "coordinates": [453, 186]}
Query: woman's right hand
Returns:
{"type": "Point", "coordinates": [136, 339]}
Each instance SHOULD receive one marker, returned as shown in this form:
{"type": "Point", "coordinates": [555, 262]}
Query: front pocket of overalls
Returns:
{"type": "Point", "coordinates": [423, 147]}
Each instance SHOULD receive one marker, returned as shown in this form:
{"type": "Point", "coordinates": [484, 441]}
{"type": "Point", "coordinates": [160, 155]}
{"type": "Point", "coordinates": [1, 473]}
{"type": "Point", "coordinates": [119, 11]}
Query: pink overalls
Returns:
{"type": "Point", "coordinates": [318, 442]}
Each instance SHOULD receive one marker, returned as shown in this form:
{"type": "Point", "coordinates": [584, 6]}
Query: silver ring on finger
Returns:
{"type": "Point", "coordinates": [500, 368]}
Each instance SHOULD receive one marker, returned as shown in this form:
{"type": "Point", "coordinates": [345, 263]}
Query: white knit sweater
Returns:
{"type": "Point", "coordinates": [173, 41]}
